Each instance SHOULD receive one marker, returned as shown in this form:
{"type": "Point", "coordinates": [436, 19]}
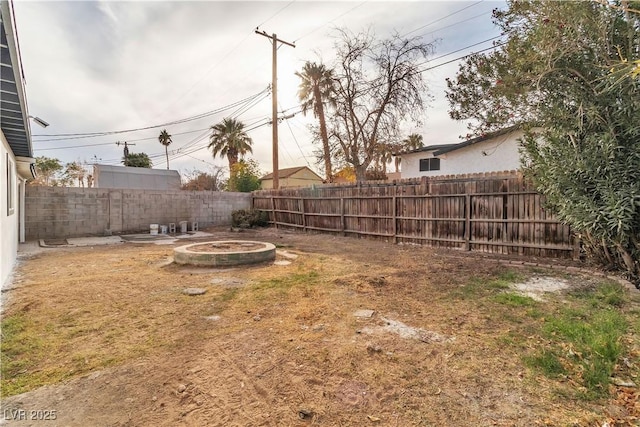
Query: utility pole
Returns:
{"type": "Point", "coordinates": [126, 148]}
{"type": "Point", "coordinates": [274, 100]}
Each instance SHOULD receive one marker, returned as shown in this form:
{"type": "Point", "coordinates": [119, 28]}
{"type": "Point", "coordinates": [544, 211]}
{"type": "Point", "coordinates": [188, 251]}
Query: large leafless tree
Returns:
{"type": "Point", "coordinates": [378, 86]}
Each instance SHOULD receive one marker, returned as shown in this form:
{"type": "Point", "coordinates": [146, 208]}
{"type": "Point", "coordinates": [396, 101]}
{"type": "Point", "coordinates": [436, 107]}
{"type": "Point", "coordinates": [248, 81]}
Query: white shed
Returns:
{"type": "Point", "coordinates": [108, 176]}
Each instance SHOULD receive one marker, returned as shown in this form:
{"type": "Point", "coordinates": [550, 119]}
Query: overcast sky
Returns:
{"type": "Point", "coordinates": [103, 66]}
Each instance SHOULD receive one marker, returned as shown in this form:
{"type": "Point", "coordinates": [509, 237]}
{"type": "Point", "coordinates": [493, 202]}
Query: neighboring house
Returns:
{"type": "Point", "coordinates": [16, 152]}
{"type": "Point", "coordinates": [301, 176]}
{"type": "Point", "coordinates": [106, 176]}
{"type": "Point", "coordinates": [494, 152]}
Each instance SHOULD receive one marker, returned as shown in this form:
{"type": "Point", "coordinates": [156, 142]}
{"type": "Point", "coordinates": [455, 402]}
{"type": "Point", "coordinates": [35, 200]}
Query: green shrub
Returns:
{"type": "Point", "coordinates": [249, 218]}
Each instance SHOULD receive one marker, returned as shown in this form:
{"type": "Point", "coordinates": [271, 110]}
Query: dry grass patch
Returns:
{"type": "Point", "coordinates": [279, 340]}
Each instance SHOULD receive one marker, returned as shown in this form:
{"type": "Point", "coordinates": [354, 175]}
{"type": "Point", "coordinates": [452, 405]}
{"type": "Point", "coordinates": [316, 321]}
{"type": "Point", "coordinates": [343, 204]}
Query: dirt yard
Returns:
{"type": "Point", "coordinates": [338, 332]}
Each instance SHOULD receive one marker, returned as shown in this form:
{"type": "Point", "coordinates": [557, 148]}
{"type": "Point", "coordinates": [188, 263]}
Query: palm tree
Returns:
{"type": "Point", "coordinates": [383, 155]}
{"type": "Point", "coordinates": [413, 142]}
{"type": "Point", "coordinates": [410, 143]}
{"type": "Point", "coordinates": [165, 139]}
{"type": "Point", "coordinates": [229, 139]}
{"type": "Point", "coordinates": [314, 91]}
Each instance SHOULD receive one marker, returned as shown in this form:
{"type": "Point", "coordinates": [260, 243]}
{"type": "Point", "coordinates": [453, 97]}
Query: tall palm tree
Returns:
{"type": "Point", "coordinates": [165, 139]}
{"type": "Point", "coordinates": [383, 155]}
{"type": "Point", "coordinates": [229, 139]}
{"type": "Point", "coordinates": [410, 143]}
{"type": "Point", "coordinates": [413, 142]}
{"type": "Point", "coordinates": [314, 91]}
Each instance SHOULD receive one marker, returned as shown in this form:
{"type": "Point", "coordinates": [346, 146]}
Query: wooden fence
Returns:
{"type": "Point", "coordinates": [496, 212]}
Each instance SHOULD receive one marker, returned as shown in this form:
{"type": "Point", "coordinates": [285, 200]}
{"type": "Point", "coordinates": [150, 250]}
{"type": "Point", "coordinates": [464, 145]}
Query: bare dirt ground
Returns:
{"type": "Point", "coordinates": [280, 345]}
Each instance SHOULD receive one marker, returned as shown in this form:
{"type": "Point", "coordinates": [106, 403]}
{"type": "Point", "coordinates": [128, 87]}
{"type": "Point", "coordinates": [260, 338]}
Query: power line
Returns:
{"type": "Point", "coordinates": [457, 23]}
{"type": "Point", "coordinates": [249, 128]}
{"type": "Point", "coordinates": [461, 49]}
{"type": "Point", "coordinates": [107, 143]}
{"type": "Point", "coordinates": [276, 14]}
{"type": "Point", "coordinates": [209, 70]}
{"type": "Point", "coordinates": [180, 152]}
{"type": "Point", "coordinates": [74, 146]}
{"type": "Point", "coordinates": [198, 148]}
{"type": "Point", "coordinates": [233, 49]}
{"type": "Point", "coordinates": [295, 139]}
{"type": "Point", "coordinates": [330, 21]}
{"type": "Point", "coordinates": [243, 109]}
{"type": "Point", "coordinates": [443, 18]}
{"type": "Point", "coordinates": [463, 57]}
{"type": "Point", "coordinates": [194, 140]}
{"type": "Point", "coordinates": [179, 121]}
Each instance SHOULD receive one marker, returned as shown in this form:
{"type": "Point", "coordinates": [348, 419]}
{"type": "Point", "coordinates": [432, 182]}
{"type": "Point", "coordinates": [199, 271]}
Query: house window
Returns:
{"type": "Point", "coordinates": [11, 187]}
{"type": "Point", "coordinates": [432, 164]}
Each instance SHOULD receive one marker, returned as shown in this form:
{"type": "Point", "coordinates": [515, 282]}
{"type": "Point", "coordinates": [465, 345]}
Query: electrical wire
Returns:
{"type": "Point", "coordinates": [457, 23]}
{"type": "Point", "coordinates": [179, 121]}
{"type": "Point", "coordinates": [243, 109]}
{"type": "Point", "coordinates": [224, 57]}
{"type": "Point", "coordinates": [462, 57]}
{"type": "Point", "coordinates": [330, 21]}
{"type": "Point", "coordinates": [459, 50]}
{"type": "Point", "coordinates": [296, 141]}
{"type": "Point", "coordinates": [276, 14]}
{"type": "Point", "coordinates": [443, 18]}
{"type": "Point", "coordinates": [256, 125]}
{"type": "Point", "coordinates": [193, 146]}
{"type": "Point", "coordinates": [113, 142]}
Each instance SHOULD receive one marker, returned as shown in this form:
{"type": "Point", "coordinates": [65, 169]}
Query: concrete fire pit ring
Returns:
{"type": "Point", "coordinates": [224, 253]}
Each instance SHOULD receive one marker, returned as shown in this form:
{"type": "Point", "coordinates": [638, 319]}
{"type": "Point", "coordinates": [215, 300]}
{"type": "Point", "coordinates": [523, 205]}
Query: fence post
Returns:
{"type": "Point", "coordinates": [576, 246]}
{"type": "Point", "coordinates": [394, 214]}
{"type": "Point", "coordinates": [342, 225]}
{"type": "Point", "coordinates": [467, 222]}
{"type": "Point", "coordinates": [273, 211]}
{"type": "Point", "coordinates": [304, 219]}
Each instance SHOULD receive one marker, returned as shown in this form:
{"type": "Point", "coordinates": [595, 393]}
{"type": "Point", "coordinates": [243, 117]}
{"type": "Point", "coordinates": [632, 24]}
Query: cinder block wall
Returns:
{"type": "Point", "coordinates": [59, 212]}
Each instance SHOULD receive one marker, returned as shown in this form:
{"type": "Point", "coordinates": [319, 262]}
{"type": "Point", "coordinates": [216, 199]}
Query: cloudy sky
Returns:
{"type": "Point", "coordinates": [106, 66]}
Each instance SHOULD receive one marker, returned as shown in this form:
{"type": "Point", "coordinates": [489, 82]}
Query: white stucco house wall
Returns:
{"type": "Point", "coordinates": [494, 152]}
{"type": "Point", "coordinates": [16, 153]}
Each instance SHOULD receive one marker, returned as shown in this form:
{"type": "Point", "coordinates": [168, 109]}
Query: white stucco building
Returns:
{"type": "Point", "coordinates": [494, 152]}
{"type": "Point", "coordinates": [16, 153]}
{"type": "Point", "coordinates": [108, 176]}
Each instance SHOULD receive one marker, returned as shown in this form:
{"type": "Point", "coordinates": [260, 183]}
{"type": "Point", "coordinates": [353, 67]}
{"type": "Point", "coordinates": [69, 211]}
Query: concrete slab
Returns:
{"type": "Point", "coordinates": [159, 239]}
{"type": "Point", "coordinates": [94, 241]}
{"type": "Point", "coordinates": [80, 241]}
{"type": "Point", "coordinates": [286, 254]}
{"type": "Point", "coordinates": [193, 234]}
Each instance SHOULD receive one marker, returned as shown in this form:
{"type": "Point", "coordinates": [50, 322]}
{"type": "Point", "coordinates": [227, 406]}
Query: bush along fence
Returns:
{"type": "Point", "coordinates": [497, 212]}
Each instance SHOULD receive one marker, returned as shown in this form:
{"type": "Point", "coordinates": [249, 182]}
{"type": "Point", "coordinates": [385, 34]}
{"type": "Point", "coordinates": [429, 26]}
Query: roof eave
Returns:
{"type": "Point", "coordinates": [16, 65]}
{"type": "Point", "coordinates": [476, 140]}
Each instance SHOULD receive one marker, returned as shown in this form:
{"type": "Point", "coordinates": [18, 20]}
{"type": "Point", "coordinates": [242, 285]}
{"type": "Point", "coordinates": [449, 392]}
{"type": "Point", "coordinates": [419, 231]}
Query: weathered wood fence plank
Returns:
{"type": "Point", "coordinates": [497, 213]}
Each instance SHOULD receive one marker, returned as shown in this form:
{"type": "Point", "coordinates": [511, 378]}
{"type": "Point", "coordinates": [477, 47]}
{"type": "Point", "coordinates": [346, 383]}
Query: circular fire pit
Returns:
{"type": "Point", "coordinates": [224, 253]}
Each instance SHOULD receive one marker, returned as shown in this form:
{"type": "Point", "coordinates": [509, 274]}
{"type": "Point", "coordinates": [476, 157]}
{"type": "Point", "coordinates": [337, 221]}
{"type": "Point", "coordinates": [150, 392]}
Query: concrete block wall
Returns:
{"type": "Point", "coordinates": [60, 212]}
